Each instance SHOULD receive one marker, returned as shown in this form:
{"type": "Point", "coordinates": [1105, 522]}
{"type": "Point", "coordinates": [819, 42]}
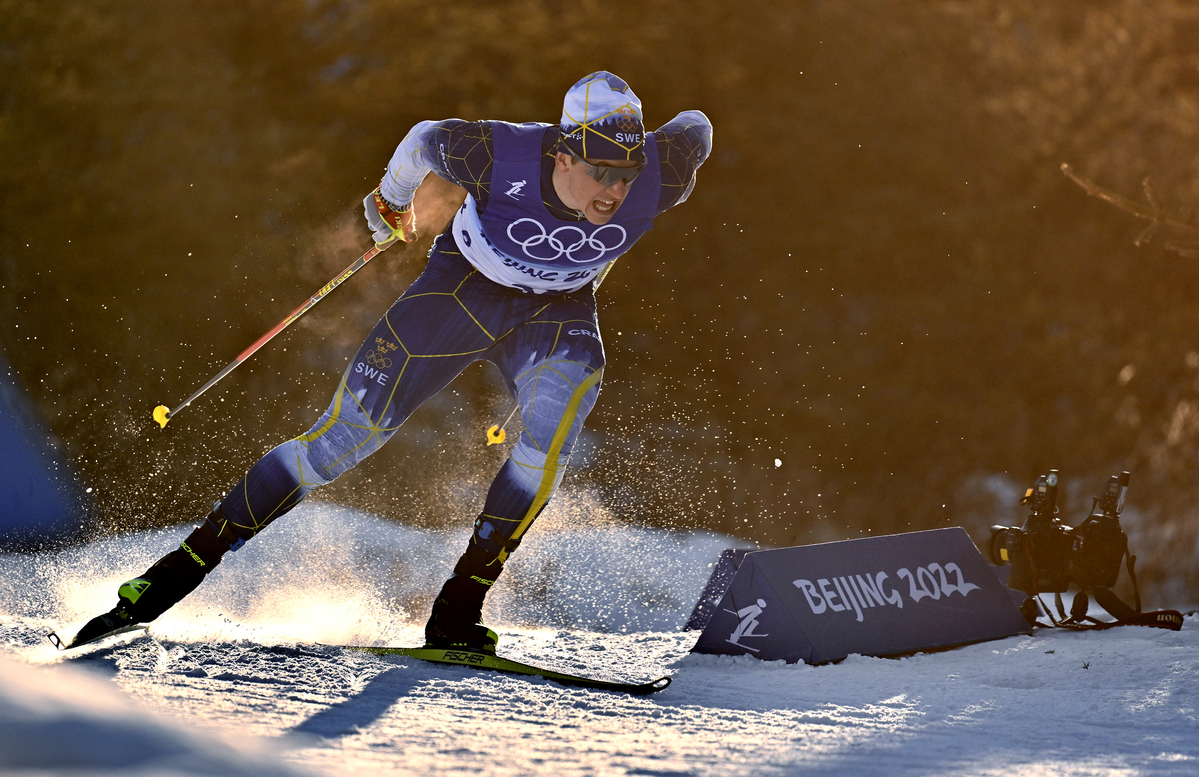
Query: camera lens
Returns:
{"type": "Point", "coordinates": [1003, 541]}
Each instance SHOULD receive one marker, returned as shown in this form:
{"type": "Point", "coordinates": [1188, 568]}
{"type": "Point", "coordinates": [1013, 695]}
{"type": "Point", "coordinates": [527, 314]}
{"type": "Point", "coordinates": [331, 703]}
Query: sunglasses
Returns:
{"type": "Point", "coordinates": [608, 176]}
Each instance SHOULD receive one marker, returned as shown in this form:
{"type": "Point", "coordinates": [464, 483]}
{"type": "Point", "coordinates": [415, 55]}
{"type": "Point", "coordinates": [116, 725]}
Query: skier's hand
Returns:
{"type": "Point", "coordinates": [387, 224]}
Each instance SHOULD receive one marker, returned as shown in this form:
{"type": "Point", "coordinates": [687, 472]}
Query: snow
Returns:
{"type": "Point", "coordinates": [245, 676]}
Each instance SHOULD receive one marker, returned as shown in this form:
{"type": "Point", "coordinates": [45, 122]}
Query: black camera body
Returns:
{"type": "Point", "coordinates": [1046, 555]}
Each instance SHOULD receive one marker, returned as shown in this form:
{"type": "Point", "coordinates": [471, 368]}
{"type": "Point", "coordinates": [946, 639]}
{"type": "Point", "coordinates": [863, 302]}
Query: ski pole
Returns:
{"type": "Point", "coordinates": [162, 414]}
{"type": "Point", "coordinates": [495, 434]}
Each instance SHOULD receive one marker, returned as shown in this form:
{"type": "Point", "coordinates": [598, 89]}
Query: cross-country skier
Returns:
{"type": "Point", "coordinates": [512, 280]}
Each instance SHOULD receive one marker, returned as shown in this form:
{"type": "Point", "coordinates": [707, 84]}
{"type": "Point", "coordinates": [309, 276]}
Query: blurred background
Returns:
{"type": "Point", "coordinates": [883, 309]}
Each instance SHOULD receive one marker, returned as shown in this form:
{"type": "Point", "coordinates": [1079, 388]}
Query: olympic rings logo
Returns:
{"type": "Point", "coordinates": [555, 245]}
{"type": "Point", "coordinates": [377, 359]}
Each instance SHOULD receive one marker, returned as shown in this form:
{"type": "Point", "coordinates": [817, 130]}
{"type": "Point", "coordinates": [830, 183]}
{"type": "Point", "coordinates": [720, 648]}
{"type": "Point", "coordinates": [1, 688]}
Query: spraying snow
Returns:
{"type": "Point", "coordinates": [245, 676]}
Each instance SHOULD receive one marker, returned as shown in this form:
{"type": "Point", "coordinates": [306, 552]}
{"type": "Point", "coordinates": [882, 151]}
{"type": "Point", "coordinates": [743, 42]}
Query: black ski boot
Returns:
{"type": "Point", "coordinates": [155, 591]}
{"type": "Point", "coordinates": [457, 618]}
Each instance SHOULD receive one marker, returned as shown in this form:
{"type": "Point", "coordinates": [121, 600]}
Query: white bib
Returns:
{"type": "Point", "coordinates": [513, 272]}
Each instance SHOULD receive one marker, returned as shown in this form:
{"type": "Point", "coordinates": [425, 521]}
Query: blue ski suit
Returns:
{"type": "Point", "coordinates": [512, 280]}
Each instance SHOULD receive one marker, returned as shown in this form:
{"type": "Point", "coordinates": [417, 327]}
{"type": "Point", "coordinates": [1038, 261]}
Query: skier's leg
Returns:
{"type": "Point", "coordinates": [173, 576]}
{"type": "Point", "coordinates": [415, 350]}
{"type": "Point", "coordinates": [419, 346]}
{"type": "Point", "coordinates": [554, 364]}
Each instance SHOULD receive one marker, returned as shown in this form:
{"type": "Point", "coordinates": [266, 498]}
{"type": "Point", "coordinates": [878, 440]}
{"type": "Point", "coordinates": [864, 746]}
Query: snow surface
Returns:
{"type": "Point", "coordinates": [241, 678]}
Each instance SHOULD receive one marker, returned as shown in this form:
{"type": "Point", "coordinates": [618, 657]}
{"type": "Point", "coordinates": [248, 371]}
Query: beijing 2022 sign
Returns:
{"type": "Point", "coordinates": [876, 596]}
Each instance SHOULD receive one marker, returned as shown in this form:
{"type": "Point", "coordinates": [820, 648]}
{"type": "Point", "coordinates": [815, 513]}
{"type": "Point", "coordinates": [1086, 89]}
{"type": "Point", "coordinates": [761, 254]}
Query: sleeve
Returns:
{"type": "Point", "coordinates": [458, 151]}
{"type": "Point", "coordinates": [684, 143]}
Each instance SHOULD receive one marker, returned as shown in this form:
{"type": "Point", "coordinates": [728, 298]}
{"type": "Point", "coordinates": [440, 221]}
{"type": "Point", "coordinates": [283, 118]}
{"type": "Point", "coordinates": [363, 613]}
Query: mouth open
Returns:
{"type": "Point", "coordinates": [606, 206]}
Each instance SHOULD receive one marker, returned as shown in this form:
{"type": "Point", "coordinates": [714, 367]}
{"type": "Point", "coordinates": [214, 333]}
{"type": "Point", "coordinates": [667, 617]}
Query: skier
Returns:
{"type": "Point", "coordinates": [512, 280]}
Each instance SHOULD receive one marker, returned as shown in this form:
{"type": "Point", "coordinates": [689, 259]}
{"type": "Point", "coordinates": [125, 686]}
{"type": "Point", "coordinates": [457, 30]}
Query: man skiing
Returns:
{"type": "Point", "coordinates": [511, 280]}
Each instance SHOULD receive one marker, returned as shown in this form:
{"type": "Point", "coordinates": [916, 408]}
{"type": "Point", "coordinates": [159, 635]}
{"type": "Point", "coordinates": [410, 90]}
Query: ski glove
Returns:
{"type": "Point", "coordinates": [388, 223]}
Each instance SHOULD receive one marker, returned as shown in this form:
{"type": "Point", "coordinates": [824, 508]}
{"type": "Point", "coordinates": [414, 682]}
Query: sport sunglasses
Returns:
{"type": "Point", "coordinates": [608, 176]}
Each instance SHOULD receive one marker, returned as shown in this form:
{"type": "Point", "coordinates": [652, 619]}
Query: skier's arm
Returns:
{"type": "Point", "coordinates": [456, 150]}
{"type": "Point", "coordinates": [684, 143]}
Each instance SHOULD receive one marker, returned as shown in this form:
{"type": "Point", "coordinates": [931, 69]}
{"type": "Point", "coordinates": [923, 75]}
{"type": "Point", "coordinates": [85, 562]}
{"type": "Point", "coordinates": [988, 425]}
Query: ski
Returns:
{"type": "Point", "coordinates": [93, 631]}
{"type": "Point", "coordinates": [498, 664]}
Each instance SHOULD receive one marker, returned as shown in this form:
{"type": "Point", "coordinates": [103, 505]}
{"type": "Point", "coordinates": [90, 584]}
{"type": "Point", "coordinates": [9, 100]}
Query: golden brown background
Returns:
{"type": "Point", "coordinates": [883, 280]}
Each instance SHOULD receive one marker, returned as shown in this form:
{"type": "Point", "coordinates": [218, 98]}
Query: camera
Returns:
{"type": "Point", "coordinates": [1046, 555]}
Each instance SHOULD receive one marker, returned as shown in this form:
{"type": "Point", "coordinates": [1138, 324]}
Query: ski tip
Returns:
{"type": "Point", "coordinates": [645, 689]}
{"type": "Point", "coordinates": [56, 641]}
{"type": "Point", "coordinates": [162, 414]}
